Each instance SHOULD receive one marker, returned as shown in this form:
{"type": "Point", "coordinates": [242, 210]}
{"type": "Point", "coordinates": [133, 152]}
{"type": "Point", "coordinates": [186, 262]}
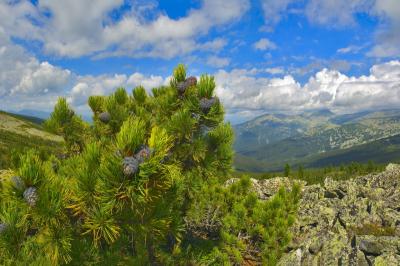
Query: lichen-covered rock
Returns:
{"type": "Point", "coordinates": [31, 196]}
{"type": "Point", "coordinates": [352, 222]}
{"type": "Point", "coordinates": [130, 166]}
{"type": "Point", "coordinates": [105, 117]}
{"type": "Point", "coordinates": [371, 247]}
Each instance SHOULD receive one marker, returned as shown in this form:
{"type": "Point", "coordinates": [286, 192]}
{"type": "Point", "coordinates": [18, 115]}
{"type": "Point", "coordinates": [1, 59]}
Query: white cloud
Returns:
{"type": "Point", "coordinates": [42, 78]}
{"type": "Point", "coordinates": [217, 62]}
{"type": "Point", "coordinates": [27, 83]}
{"type": "Point", "coordinates": [75, 28]}
{"type": "Point", "coordinates": [23, 74]}
{"type": "Point", "coordinates": [350, 49]}
{"type": "Point", "coordinates": [105, 84]}
{"type": "Point", "coordinates": [335, 13]}
{"type": "Point", "coordinates": [274, 10]}
{"type": "Point", "coordinates": [327, 89]}
{"type": "Point", "coordinates": [264, 44]}
{"type": "Point", "coordinates": [148, 82]}
{"type": "Point", "coordinates": [275, 70]}
{"type": "Point", "coordinates": [388, 36]}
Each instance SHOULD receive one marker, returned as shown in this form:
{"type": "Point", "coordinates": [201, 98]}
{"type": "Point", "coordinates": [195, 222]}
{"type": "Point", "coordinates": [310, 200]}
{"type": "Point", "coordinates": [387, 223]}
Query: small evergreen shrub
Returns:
{"type": "Point", "coordinates": [142, 185]}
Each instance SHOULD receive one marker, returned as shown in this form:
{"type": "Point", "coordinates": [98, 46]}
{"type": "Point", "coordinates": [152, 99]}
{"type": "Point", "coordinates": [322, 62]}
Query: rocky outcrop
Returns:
{"type": "Point", "coordinates": [352, 222]}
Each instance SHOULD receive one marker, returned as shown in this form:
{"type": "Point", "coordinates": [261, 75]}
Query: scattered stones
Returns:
{"type": "Point", "coordinates": [351, 222]}
{"type": "Point", "coordinates": [105, 117]}
{"type": "Point", "coordinates": [130, 166]}
{"type": "Point", "coordinates": [18, 183]}
{"type": "Point", "coordinates": [31, 196]}
{"type": "Point", "coordinates": [206, 104]}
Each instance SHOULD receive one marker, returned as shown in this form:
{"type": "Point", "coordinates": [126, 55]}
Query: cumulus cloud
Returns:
{"type": "Point", "coordinates": [23, 74]}
{"type": "Point", "coordinates": [335, 13]}
{"type": "Point", "coordinates": [77, 27]}
{"type": "Point", "coordinates": [25, 82]}
{"type": "Point", "coordinates": [388, 36]}
{"type": "Point", "coordinates": [217, 62]}
{"type": "Point", "coordinates": [264, 44]}
{"type": "Point", "coordinates": [242, 89]}
{"type": "Point", "coordinates": [105, 84]}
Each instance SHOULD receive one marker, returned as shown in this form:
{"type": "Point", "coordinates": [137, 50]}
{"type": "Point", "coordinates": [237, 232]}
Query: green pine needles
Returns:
{"type": "Point", "coordinates": [142, 185]}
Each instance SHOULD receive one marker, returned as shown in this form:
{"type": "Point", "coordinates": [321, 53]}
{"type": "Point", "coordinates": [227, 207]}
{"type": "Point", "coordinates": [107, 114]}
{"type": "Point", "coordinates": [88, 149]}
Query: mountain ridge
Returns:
{"type": "Point", "coordinates": [271, 139]}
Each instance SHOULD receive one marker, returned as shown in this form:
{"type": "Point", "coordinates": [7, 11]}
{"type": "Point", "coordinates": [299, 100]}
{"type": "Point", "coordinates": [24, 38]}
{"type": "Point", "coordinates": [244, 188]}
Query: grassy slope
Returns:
{"type": "Point", "coordinates": [18, 133]}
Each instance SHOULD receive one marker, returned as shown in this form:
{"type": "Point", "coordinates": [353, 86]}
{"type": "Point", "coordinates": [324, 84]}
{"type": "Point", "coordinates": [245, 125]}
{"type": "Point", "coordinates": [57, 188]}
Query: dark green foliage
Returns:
{"type": "Point", "coordinates": [318, 175]}
{"type": "Point", "coordinates": [133, 188]}
{"type": "Point", "coordinates": [287, 170]}
{"type": "Point", "coordinates": [63, 121]}
{"type": "Point", "coordinates": [300, 172]}
{"type": "Point", "coordinates": [246, 229]}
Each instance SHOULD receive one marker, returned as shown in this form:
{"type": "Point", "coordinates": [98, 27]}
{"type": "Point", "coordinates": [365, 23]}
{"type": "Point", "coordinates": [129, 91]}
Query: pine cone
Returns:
{"type": "Point", "coordinates": [18, 183]}
{"type": "Point", "coordinates": [3, 227]}
{"type": "Point", "coordinates": [191, 81]}
{"type": "Point", "coordinates": [181, 87]}
{"type": "Point", "coordinates": [130, 166]}
{"type": "Point", "coordinates": [206, 104]}
{"type": "Point", "coordinates": [105, 117]}
{"type": "Point", "coordinates": [31, 196]}
{"type": "Point", "coordinates": [143, 154]}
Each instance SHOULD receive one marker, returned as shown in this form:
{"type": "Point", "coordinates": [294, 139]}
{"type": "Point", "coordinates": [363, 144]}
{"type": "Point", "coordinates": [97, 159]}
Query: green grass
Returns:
{"type": "Point", "coordinates": [318, 175]}
{"type": "Point", "coordinates": [11, 144]}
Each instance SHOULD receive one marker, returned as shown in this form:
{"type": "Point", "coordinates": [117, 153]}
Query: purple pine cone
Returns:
{"type": "Point", "coordinates": [143, 154]}
{"type": "Point", "coordinates": [130, 166]}
{"type": "Point", "coordinates": [105, 117]}
{"type": "Point", "coordinates": [206, 104]}
{"type": "Point", "coordinates": [31, 196]}
{"type": "Point", "coordinates": [181, 87]}
{"type": "Point", "coordinates": [191, 81]}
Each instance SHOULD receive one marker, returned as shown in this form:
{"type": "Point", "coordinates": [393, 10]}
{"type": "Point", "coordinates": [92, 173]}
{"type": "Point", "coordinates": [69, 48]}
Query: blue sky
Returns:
{"type": "Point", "coordinates": [267, 56]}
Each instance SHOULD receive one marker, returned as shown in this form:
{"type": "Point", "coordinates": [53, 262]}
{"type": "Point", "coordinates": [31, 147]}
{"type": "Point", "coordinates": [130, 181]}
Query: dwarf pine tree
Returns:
{"type": "Point", "coordinates": [128, 186]}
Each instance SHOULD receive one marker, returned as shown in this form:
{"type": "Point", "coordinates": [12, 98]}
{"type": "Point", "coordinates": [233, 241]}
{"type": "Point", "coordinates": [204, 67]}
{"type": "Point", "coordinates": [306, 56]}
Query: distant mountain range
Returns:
{"type": "Point", "coordinates": [316, 139]}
